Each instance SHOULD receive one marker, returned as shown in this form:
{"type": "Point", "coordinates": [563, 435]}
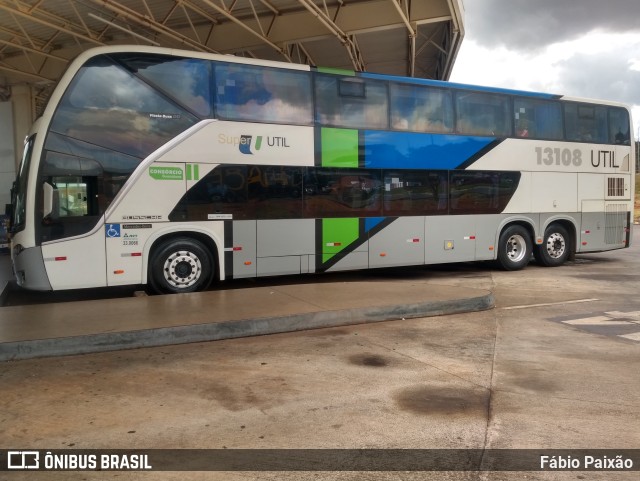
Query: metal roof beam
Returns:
{"type": "Point", "coordinates": [60, 23]}
{"type": "Point", "coordinates": [28, 74]}
{"type": "Point", "coordinates": [346, 40]}
{"type": "Point", "coordinates": [246, 27]}
{"type": "Point", "coordinates": [140, 19]}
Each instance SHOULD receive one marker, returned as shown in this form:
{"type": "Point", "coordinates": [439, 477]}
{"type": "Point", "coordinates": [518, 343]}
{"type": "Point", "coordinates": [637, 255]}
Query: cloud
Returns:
{"type": "Point", "coordinates": [577, 48]}
{"type": "Point", "coordinates": [530, 25]}
{"type": "Point", "coordinates": [603, 76]}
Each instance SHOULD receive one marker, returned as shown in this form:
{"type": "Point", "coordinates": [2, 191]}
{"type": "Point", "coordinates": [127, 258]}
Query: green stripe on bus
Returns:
{"type": "Point", "coordinates": [337, 234]}
{"type": "Point", "coordinates": [193, 172]}
{"type": "Point", "coordinates": [337, 71]}
{"type": "Point", "coordinates": [339, 147]}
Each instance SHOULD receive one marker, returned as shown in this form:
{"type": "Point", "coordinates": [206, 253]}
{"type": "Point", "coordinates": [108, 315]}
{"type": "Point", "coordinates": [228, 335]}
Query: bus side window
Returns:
{"type": "Point", "coordinates": [537, 119]}
{"type": "Point", "coordinates": [483, 114]}
{"type": "Point", "coordinates": [261, 94]}
{"type": "Point", "coordinates": [408, 192]}
{"type": "Point", "coordinates": [338, 192]}
{"type": "Point", "coordinates": [585, 123]}
{"type": "Point", "coordinates": [421, 109]}
{"type": "Point", "coordinates": [186, 80]}
{"type": "Point", "coordinates": [619, 126]}
{"type": "Point", "coordinates": [351, 102]}
{"type": "Point", "coordinates": [275, 192]}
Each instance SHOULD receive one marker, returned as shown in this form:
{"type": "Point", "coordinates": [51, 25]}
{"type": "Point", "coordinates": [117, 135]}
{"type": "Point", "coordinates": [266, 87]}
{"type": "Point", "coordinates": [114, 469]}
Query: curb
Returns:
{"type": "Point", "coordinates": [113, 341]}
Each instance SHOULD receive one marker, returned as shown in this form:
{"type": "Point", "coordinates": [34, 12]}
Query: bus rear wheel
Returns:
{"type": "Point", "coordinates": [514, 248]}
{"type": "Point", "coordinates": [181, 265]}
{"type": "Point", "coordinates": [555, 248]}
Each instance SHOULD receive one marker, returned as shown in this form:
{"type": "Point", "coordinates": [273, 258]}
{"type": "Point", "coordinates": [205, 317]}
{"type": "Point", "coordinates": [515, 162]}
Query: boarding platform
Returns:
{"type": "Point", "coordinates": [68, 328]}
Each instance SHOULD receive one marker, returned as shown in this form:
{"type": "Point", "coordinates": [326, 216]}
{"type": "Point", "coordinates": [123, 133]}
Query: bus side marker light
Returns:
{"type": "Point", "coordinates": [539, 241]}
{"type": "Point", "coordinates": [119, 271]}
{"type": "Point", "coordinates": [491, 248]}
{"type": "Point", "coordinates": [584, 243]}
{"type": "Point", "coordinates": [413, 241]}
{"type": "Point", "coordinates": [334, 244]}
{"type": "Point", "coordinates": [383, 254]}
{"type": "Point", "coordinates": [470, 237]}
{"type": "Point", "coordinates": [60, 258]}
{"type": "Point", "coordinates": [247, 263]}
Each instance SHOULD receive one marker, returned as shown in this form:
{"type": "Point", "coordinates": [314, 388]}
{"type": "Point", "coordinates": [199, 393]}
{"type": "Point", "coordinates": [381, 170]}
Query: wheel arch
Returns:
{"type": "Point", "coordinates": [527, 223]}
{"type": "Point", "coordinates": [210, 241]}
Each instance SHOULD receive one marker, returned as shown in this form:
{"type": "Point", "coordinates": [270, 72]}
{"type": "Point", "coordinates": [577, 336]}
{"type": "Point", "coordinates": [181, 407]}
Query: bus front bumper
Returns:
{"type": "Point", "coordinates": [29, 269]}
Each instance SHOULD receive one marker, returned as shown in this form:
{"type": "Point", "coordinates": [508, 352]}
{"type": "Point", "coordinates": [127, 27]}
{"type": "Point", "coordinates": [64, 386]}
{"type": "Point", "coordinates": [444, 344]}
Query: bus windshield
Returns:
{"type": "Point", "coordinates": [19, 193]}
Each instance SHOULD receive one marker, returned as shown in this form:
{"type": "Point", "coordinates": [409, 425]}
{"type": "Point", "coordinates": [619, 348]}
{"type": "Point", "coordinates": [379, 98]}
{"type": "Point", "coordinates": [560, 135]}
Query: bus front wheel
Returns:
{"type": "Point", "coordinates": [181, 265]}
{"type": "Point", "coordinates": [514, 248]}
{"type": "Point", "coordinates": [555, 248]}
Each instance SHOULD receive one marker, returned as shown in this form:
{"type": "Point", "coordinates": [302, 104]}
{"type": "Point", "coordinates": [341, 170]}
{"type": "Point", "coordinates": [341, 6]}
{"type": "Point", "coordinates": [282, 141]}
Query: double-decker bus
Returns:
{"type": "Point", "coordinates": [173, 168]}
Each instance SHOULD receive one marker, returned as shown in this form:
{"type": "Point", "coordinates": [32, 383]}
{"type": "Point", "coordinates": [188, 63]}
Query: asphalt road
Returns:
{"type": "Point", "coordinates": [554, 366]}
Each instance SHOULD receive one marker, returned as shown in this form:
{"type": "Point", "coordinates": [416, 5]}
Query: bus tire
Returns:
{"type": "Point", "coordinates": [555, 248]}
{"type": "Point", "coordinates": [181, 264]}
{"type": "Point", "coordinates": [514, 248]}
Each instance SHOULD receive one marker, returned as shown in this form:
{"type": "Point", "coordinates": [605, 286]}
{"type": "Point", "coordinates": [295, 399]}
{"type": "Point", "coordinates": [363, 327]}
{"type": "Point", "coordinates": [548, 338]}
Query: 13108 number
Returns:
{"type": "Point", "coordinates": [549, 156]}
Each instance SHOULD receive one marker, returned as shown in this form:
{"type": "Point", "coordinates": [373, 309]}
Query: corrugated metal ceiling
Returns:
{"type": "Point", "coordinates": [400, 37]}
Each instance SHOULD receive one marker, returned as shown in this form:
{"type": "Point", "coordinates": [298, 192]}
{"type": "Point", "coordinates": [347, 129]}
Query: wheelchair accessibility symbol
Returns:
{"type": "Point", "coordinates": [112, 230]}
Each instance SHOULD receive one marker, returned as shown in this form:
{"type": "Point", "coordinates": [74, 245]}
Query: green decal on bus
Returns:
{"type": "Point", "coordinates": [166, 173]}
{"type": "Point", "coordinates": [339, 147]}
{"type": "Point", "coordinates": [337, 234]}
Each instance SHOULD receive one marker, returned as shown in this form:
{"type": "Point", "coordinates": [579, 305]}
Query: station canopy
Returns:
{"type": "Point", "coordinates": [418, 38]}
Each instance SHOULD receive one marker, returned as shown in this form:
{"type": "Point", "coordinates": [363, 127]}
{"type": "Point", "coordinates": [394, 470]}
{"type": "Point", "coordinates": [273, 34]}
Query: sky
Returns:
{"type": "Point", "coordinates": [578, 48]}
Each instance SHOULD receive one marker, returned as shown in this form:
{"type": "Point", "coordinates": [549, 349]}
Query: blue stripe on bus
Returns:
{"type": "Point", "coordinates": [451, 85]}
{"type": "Point", "coordinates": [371, 222]}
{"type": "Point", "coordinates": [408, 150]}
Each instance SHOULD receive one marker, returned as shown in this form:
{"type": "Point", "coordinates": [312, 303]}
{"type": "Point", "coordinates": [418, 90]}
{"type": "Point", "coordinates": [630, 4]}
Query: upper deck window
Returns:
{"type": "Point", "coordinates": [107, 106]}
{"type": "Point", "coordinates": [585, 123]}
{"type": "Point", "coordinates": [483, 114]}
{"type": "Point", "coordinates": [619, 127]}
{"type": "Point", "coordinates": [246, 92]}
{"type": "Point", "coordinates": [187, 80]}
{"type": "Point", "coordinates": [351, 102]}
{"type": "Point", "coordinates": [537, 119]}
{"type": "Point", "coordinates": [421, 109]}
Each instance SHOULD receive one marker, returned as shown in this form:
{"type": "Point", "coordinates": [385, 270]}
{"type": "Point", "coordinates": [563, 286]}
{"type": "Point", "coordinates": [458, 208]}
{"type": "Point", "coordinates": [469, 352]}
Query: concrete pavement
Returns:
{"type": "Point", "coordinates": [67, 328]}
{"type": "Point", "coordinates": [517, 376]}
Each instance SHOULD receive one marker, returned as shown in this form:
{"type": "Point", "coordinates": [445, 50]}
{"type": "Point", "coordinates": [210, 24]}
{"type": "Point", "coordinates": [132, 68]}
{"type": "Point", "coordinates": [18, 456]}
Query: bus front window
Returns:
{"type": "Point", "coordinates": [19, 191]}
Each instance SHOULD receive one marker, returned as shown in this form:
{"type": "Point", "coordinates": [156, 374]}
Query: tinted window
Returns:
{"type": "Point", "coordinates": [342, 193]}
{"type": "Point", "coordinates": [275, 192]}
{"type": "Point", "coordinates": [222, 192]}
{"type": "Point", "coordinates": [246, 92]}
{"type": "Point", "coordinates": [107, 106]}
{"type": "Point", "coordinates": [409, 192]}
{"type": "Point", "coordinates": [483, 114]}
{"type": "Point", "coordinates": [537, 119]}
{"type": "Point", "coordinates": [619, 129]}
{"type": "Point", "coordinates": [351, 102]}
{"type": "Point", "coordinates": [244, 192]}
{"type": "Point", "coordinates": [185, 80]}
{"type": "Point", "coordinates": [481, 192]}
{"type": "Point", "coordinates": [586, 123]}
{"type": "Point", "coordinates": [421, 109]}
